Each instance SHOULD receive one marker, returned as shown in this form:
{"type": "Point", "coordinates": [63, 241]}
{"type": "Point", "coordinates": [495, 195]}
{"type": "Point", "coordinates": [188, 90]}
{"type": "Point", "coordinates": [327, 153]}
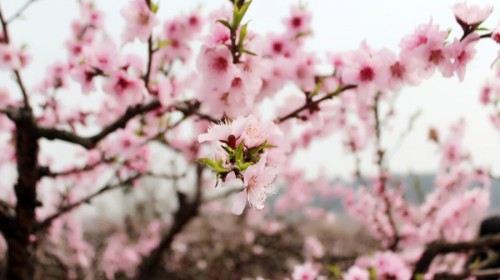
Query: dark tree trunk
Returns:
{"type": "Point", "coordinates": [20, 246]}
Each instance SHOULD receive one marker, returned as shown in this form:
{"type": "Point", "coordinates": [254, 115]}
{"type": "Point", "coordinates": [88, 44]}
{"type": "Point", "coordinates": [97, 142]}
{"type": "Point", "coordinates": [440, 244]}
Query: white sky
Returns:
{"type": "Point", "coordinates": [338, 26]}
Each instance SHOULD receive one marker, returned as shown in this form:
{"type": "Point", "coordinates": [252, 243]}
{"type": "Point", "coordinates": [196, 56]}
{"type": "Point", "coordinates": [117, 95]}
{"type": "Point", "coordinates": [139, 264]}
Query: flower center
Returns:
{"type": "Point", "coordinates": [366, 74]}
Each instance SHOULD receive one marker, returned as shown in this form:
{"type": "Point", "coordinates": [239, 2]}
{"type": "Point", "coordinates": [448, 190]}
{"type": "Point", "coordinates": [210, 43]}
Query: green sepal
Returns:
{"type": "Point", "coordinates": [225, 23]}
{"type": "Point", "coordinates": [216, 165]}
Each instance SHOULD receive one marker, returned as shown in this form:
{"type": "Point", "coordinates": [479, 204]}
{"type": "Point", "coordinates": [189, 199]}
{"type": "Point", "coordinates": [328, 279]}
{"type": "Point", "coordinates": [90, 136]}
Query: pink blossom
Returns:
{"type": "Point", "coordinates": [249, 130]}
{"type": "Point", "coordinates": [103, 56]}
{"type": "Point", "coordinates": [365, 68]}
{"type": "Point", "coordinates": [462, 52]}
{"type": "Point", "coordinates": [313, 247]}
{"type": "Point", "coordinates": [471, 15]}
{"type": "Point", "coordinates": [299, 22]}
{"type": "Point", "coordinates": [129, 89]}
{"type": "Point", "coordinates": [306, 271]}
{"type": "Point", "coordinates": [217, 69]}
{"type": "Point", "coordinates": [9, 57]}
{"type": "Point", "coordinates": [495, 35]}
{"type": "Point", "coordinates": [139, 19]}
{"type": "Point", "coordinates": [356, 273]}
{"type": "Point", "coordinates": [426, 44]}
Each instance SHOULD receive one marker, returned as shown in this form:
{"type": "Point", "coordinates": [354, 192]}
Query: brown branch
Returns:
{"type": "Point", "coordinates": [46, 172]}
{"type": "Point", "coordinates": [7, 216]}
{"type": "Point", "coordinates": [191, 108]}
{"type": "Point", "coordinates": [21, 10]}
{"type": "Point", "coordinates": [382, 171]}
{"type": "Point", "coordinates": [186, 212]}
{"type": "Point", "coordinates": [87, 199]}
{"type": "Point", "coordinates": [91, 141]}
{"type": "Point", "coordinates": [150, 54]}
{"type": "Point", "coordinates": [438, 248]}
{"type": "Point", "coordinates": [16, 72]}
{"type": "Point", "coordinates": [477, 274]}
{"type": "Point", "coordinates": [313, 104]}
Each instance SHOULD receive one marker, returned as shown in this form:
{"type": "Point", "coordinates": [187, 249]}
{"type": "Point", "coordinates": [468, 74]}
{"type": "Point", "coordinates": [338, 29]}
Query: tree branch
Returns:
{"type": "Point", "coordinates": [185, 213]}
{"type": "Point", "coordinates": [91, 141]}
{"type": "Point", "coordinates": [382, 171]}
{"type": "Point", "coordinates": [7, 216]}
{"type": "Point", "coordinates": [65, 209]}
{"type": "Point", "coordinates": [437, 248]}
{"type": "Point", "coordinates": [46, 172]}
{"type": "Point", "coordinates": [313, 104]}
{"type": "Point", "coordinates": [21, 10]}
{"type": "Point", "coordinates": [16, 72]}
{"type": "Point", "coordinates": [477, 274]}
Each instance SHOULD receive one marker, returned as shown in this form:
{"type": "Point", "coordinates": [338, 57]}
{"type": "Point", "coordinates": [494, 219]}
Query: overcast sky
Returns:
{"type": "Point", "coordinates": [338, 26]}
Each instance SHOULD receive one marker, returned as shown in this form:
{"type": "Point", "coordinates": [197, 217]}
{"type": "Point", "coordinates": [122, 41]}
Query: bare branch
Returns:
{"type": "Point", "coordinates": [87, 199]}
{"type": "Point", "coordinates": [382, 170]}
{"type": "Point", "coordinates": [477, 274]}
{"type": "Point", "coordinates": [16, 72]}
{"type": "Point", "coordinates": [313, 104]}
{"type": "Point", "coordinates": [437, 248]}
{"type": "Point", "coordinates": [46, 172]}
{"type": "Point", "coordinates": [7, 223]}
{"type": "Point", "coordinates": [91, 141]}
{"type": "Point", "coordinates": [21, 10]}
{"type": "Point", "coordinates": [186, 212]}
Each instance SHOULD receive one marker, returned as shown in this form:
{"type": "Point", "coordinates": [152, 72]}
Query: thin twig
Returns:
{"type": "Point", "coordinates": [87, 199]}
{"type": "Point", "coordinates": [21, 10]}
{"type": "Point", "coordinates": [314, 103]}
{"type": "Point", "coordinates": [438, 248]}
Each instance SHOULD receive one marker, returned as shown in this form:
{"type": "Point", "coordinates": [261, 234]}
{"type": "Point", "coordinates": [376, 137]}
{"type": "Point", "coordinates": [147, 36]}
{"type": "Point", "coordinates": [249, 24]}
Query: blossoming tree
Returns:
{"type": "Point", "coordinates": [205, 107]}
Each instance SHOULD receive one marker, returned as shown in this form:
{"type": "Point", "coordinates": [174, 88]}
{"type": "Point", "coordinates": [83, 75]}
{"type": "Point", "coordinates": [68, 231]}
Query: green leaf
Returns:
{"type": "Point", "coordinates": [225, 23]}
{"type": "Point", "coordinates": [243, 35]}
{"type": "Point", "coordinates": [239, 153]}
{"type": "Point", "coordinates": [482, 29]}
{"type": "Point", "coordinates": [244, 8]}
{"type": "Point", "coordinates": [334, 270]}
{"type": "Point", "coordinates": [163, 43]}
{"type": "Point", "coordinates": [239, 13]}
{"type": "Point", "coordinates": [228, 149]}
{"type": "Point", "coordinates": [373, 273]}
{"type": "Point", "coordinates": [154, 7]}
{"type": "Point", "coordinates": [215, 165]}
{"type": "Point", "coordinates": [242, 166]}
{"type": "Point", "coordinates": [419, 276]}
{"type": "Point", "coordinates": [253, 154]}
{"type": "Point", "coordinates": [249, 52]}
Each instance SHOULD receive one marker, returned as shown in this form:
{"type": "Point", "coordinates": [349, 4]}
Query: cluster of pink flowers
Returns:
{"type": "Point", "coordinates": [490, 95]}
{"type": "Point", "coordinates": [140, 20]}
{"type": "Point", "coordinates": [262, 153]}
{"type": "Point", "coordinates": [461, 193]}
{"type": "Point", "coordinates": [233, 100]}
{"type": "Point", "coordinates": [382, 265]}
{"type": "Point", "coordinates": [124, 255]}
{"type": "Point", "coordinates": [232, 88]}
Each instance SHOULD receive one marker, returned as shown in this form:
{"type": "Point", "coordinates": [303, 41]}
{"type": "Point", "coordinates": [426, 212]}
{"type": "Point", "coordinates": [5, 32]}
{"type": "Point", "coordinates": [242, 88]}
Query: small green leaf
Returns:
{"type": "Point", "coordinates": [239, 153]}
{"type": "Point", "coordinates": [249, 52]}
{"type": "Point", "coordinates": [334, 270]}
{"type": "Point", "coordinates": [373, 273]}
{"type": "Point", "coordinates": [215, 165]}
{"type": "Point", "coordinates": [228, 149]}
{"type": "Point", "coordinates": [482, 29]}
{"type": "Point", "coordinates": [243, 35]}
{"type": "Point", "coordinates": [419, 276]}
{"type": "Point", "coordinates": [225, 23]}
{"type": "Point", "coordinates": [163, 43]}
{"type": "Point", "coordinates": [154, 7]}
{"type": "Point", "coordinates": [239, 13]}
{"type": "Point", "coordinates": [242, 166]}
{"type": "Point", "coordinates": [244, 8]}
